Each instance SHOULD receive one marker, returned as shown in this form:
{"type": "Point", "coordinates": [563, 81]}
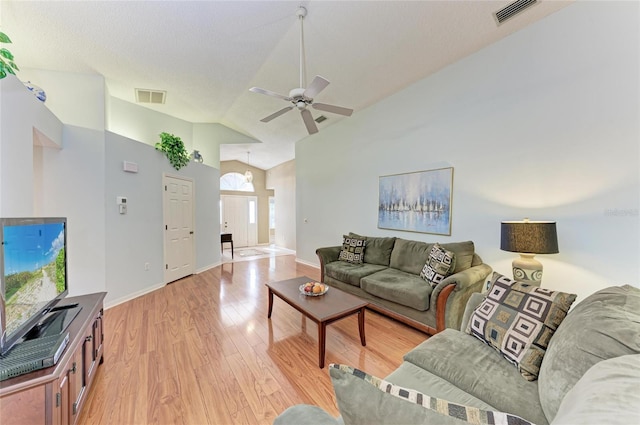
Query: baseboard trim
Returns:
{"type": "Point", "coordinates": [209, 267]}
{"type": "Point", "coordinates": [136, 294]}
{"type": "Point", "coordinates": [306, 263]}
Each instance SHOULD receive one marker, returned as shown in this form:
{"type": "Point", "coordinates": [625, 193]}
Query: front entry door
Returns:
{"type": "Point", "coordinates": [239, 219]}
{"type": "Point", "coordinates": [178, 232]}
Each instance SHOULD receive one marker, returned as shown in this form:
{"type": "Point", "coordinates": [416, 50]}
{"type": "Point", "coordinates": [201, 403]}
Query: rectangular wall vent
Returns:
{"type": "Point", "coordinates": [150, 96]}
{"type": "Point", "coordinates": [320, 119]}
{"type": "Point", "coordinates": [512, 9]}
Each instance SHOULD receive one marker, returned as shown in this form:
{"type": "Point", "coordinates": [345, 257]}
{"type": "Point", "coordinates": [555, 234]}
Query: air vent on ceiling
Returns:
{"type": "Point", "coordinates": [320, 119]}
{"type": "Point", "coordinates": [512, 9]}
{"type": "Point", "coordinates": [150, 96]}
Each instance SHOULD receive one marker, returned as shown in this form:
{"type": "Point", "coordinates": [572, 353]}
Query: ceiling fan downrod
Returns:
{"type": "Point", "coordinates": [301, 13]}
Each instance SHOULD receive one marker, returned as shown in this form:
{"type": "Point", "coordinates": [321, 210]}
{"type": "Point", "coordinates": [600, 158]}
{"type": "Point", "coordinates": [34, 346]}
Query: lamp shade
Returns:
{"type": "Point", "coordinates": [532, 237]}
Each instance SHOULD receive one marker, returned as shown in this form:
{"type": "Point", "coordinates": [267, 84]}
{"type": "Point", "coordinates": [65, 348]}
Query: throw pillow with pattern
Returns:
{"type": "Point", "coordinates": [518, 320]}
{"type": "Point", "coordinates": [439, 265]}
{"type": "Point", "coordinates": [352, 249]}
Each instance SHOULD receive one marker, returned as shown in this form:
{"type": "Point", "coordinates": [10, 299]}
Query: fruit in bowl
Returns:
{"type": "Point", "coordinates": [314, 288]}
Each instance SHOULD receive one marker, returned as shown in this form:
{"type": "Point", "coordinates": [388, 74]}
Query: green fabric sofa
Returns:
{"type": "Point", "coordinates": [389, 279]}
{"type": "Point", "coordinates": [590, 374]}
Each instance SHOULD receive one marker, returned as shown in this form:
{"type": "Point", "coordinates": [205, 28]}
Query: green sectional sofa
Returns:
{"type": "Point", "coordinates": [389, 279]}
{"type": "Point", "coordinates": [589, 375]}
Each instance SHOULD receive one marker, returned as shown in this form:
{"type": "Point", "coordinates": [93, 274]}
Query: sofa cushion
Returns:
{"type": "Point", "coordinates": [465, 252]}
{"type": "Point", "coordinates": [602, 326]}
{"type": "Point", "coordinates": [606, 394]}
{"type": "Point", "coordinates": [350, 273]}
{"type": "Point", "coordinates": [440, 264]}
{"type": "Point", "coordinates": [399, 287]}
{"type": "Point", "coordinates": [409, 256]}
{"type": "Point", "coordinates": [480, 371]}
{"type": "Point", "coordinates": [518, 320]}
{"type": "Point", "coordinates": [409, 375]}
{"type": "Point", "coordinates": [366, 399]}
{"type": "Point", "coordinates": [378, 249]}
{"type": "Point", "coordinates": [352, 249]}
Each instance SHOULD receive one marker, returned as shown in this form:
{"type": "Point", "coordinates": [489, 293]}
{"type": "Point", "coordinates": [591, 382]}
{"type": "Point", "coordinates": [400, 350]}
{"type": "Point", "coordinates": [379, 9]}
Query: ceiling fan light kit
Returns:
{"type": "Point", "coordinates": [301, 97]}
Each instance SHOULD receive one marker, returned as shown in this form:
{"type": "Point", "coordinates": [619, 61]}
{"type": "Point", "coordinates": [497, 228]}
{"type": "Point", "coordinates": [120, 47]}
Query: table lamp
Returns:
{"type": "Point", "coordinates": [528, 238]}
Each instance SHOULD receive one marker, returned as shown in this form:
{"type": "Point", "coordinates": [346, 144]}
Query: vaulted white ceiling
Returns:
{"type": "Point", "coordinates": [207, 54]}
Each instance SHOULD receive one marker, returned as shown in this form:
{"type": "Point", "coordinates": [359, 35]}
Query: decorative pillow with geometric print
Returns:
{"type": "Point", "coordinates": [439, 265]}
{"type": "Point", "coordinates": [352, 249]}
{"type": "Point", "coordinates": [518, 320]}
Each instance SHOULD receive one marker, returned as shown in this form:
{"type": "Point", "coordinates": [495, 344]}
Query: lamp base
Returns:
{"type": "Point", "coordinates": [527, 269]}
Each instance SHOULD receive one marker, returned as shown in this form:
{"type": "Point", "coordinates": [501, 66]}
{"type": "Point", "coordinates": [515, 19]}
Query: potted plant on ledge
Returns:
{"type": "Point", "coordinates": [173, 148]}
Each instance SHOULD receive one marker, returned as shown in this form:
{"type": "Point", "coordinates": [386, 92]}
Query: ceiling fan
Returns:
{"type": "Point", "coordinates": [302, 97]}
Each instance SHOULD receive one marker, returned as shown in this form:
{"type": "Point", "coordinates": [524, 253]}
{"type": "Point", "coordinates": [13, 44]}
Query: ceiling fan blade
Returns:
{"type": "Point", "coordinates": [312, 128]}
{"type": "Point", "coordinates": [317, 85]}
{"type": "Point", "coordinates": [333, 108]}
{"type": "Point", "coordinates": [277, 114]}
{"type": "Point", "coordinates": [269, 93]}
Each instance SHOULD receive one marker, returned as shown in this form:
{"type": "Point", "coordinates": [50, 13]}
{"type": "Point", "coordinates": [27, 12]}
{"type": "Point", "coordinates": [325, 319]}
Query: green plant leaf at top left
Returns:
{"type": "Point", "coordinates": [7, 54]}
{"type": "Point", "coordinates": [4, 38]}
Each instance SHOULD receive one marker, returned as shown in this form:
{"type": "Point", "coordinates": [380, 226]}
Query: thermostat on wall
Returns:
{"type": "Point", "coordinates": [122, 204]}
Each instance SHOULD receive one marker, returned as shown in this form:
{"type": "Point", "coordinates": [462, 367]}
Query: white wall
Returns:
{"type": "Point", "coordinates": [73, 182]}
{"type": "Point", "coordinates": [136, 238]}
{"type": "Point", "coordinates": [76, 99]}
{"type": "Point", "coordinates": [208, 138]}
{"type": "Point", "coordinates": [48, 181]}
{"type": "Point", "coordinates": [205, 140]}
{"type": "Point", "coordinates": [282, 179]}
{"type": "Point", "coordinates": [543, 124]}
{"type": "Point", "coordinates": [80, 182]}
{"type": "Point", "coordinates": [21, 114]}
{"type": "Point", "coordinates": [143, 124]}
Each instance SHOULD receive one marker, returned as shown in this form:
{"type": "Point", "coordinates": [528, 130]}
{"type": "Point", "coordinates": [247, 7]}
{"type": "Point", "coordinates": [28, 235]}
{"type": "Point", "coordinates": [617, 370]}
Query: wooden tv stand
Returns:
{"type": "Point", "coordinates": [55, 396]}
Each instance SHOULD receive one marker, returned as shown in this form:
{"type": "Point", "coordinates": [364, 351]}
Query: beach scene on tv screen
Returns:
{"type": "Point", "coordinates": [34, 269]}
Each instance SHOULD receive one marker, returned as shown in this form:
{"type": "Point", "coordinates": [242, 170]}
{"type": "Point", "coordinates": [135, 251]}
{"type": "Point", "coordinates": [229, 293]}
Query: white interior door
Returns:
{"type": "Point", "coordinates": [239, 217]}
{"type": "Point", "coordinates": [179, 216]}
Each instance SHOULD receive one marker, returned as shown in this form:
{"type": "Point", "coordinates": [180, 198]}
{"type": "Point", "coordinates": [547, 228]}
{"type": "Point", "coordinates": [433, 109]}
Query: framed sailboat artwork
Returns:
{"type": "Point", "coordinates": [416, 202]}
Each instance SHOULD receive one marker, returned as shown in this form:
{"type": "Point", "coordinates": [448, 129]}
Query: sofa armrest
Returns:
{"type": "Point", "coordinates": [327, 255]}
{"type": "Point", "coordinates": [465, 283]}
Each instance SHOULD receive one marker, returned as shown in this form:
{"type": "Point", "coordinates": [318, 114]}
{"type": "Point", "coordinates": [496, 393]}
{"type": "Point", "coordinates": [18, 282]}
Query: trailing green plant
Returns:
{"type": "Point", "coordinates": [173, 147]}
{"type": "Point", "coordinates": [7, 65]}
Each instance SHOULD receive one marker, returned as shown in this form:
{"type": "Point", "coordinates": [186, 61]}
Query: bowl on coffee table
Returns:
{"type": "Point", "coordinates": [313, 289]}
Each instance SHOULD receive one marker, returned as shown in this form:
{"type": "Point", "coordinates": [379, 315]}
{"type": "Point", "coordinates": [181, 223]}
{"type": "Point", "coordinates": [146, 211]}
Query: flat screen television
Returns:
{"type": "Point", "coordinates": [33, 266]}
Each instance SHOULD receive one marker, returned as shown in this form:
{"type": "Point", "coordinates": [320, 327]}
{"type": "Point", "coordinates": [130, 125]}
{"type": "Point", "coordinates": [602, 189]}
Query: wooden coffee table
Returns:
{"type": "Point", "coordinates": [323, 309]}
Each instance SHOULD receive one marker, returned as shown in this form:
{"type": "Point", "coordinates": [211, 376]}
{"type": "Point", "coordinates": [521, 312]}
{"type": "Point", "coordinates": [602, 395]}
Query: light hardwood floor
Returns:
{"type": "Point", "coordinates": [202, 351]}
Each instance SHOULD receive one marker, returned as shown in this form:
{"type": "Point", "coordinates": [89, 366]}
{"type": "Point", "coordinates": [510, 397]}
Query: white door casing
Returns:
{"type": "Point", "coordinates": [179, 218]}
